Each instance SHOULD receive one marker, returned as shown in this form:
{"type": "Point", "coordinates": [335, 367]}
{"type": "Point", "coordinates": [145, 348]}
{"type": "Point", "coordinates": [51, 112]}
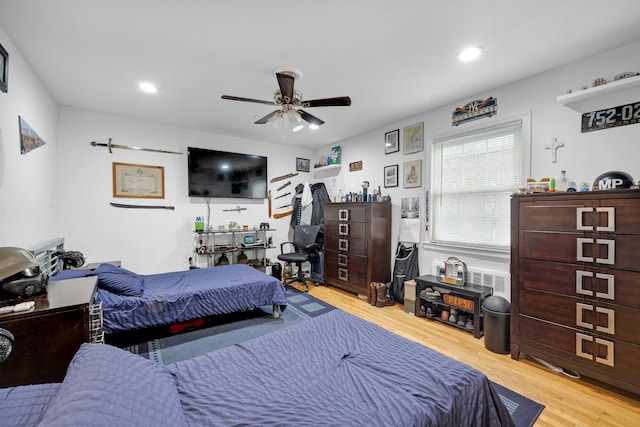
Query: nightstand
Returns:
{"type": "Point", "coordinates": [48, 336]}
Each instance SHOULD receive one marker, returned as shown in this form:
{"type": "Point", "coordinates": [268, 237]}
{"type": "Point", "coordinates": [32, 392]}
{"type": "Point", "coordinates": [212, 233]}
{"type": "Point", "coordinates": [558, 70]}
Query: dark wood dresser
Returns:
{"type": "Point", "coordinates": [48, 336]}
{"type": "Point", "coordinates": [357, 245]}
{"type": "Point", "coordinates": [575, 282]}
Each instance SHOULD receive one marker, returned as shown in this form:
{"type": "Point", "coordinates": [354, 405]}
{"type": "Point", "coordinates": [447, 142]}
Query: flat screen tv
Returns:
{"type": "Point", "coordinates": [222, 174]}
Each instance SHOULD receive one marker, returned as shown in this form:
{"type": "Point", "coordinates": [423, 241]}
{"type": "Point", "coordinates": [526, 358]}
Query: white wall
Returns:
{"type": "Point", "coordinates": [150, 240]}
{"type": "Point", "coordinates": [29, 196]}
{"type": "Point", "coordinates": [584, 156]}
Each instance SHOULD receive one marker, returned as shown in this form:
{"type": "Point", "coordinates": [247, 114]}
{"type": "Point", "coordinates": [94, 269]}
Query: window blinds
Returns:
{"type": "Point", "coordinates": [473, 178]}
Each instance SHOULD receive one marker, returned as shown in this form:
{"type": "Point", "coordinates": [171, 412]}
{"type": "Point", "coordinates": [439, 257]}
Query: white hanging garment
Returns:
{"type": "Point", "coordinates": [306, 204]}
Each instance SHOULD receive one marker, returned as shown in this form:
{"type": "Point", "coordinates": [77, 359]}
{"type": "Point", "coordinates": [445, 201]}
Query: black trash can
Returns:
{"type": "Point", "coordinates": [496, 324]}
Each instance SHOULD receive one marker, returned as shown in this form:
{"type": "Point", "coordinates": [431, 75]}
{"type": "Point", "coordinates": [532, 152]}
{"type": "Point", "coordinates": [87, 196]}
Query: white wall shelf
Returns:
{"type": "Point", "coordinates": [326, 171]}
{"type": "Point", "coordinates": [612, 94]}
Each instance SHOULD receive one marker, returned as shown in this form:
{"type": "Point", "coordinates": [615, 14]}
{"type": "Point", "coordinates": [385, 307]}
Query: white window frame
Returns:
{"type": "Point", "coordinates": [525, 167]}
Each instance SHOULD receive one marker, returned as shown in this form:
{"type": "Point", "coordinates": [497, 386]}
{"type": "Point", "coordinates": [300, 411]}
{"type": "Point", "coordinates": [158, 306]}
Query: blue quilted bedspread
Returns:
{"type": "Point", "coordinates": [335, 370]}
{"type": "Point", "coordinates": [182, 295]}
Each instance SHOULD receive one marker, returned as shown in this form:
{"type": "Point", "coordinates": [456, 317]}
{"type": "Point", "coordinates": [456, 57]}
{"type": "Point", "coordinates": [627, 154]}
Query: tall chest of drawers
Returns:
{"type": "Point", "coordinates": [357, 245]}
{"type": "Point", "coordinates": [575, 282]}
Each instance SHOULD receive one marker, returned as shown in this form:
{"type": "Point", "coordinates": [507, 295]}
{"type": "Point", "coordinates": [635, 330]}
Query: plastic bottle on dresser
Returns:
{"type": "Point", "coordinates": [562, 183]}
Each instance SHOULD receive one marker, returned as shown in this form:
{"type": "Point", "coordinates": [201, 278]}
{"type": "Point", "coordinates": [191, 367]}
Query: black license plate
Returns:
{"type": "Point", "coordinates": [621, 115]}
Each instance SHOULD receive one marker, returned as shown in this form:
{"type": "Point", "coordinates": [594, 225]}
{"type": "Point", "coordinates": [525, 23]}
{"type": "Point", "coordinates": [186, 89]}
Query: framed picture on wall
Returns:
{"type": "Point", "coordinates": [302, 165]}
{"type": "Point", "coordinates": [412, 174]}
{"type": "Point", "coordinates": [414, 138]}
{"type": "Point", "coordinates": [140, 181]}
{"type": "Point", "coordinates": [391, 176]}
{"type": "Point", "coordinates": [392, 141]}
{"type": "Point", "coordinates": [4, 69]}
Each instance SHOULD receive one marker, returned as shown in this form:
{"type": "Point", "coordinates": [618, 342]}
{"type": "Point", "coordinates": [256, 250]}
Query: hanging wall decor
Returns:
{"type": "Point", "coordinates": [412, 174]}
{"type": "Point", "coordinates": [140, 181]}
{"type": "Point", "coordinates": [475, 110]}
{"type": "Point", "coordinates": [414, 138]}
{"type": "Point", "coordinates": [29, 139]}
{"type": "Point", "coordinates": [4, 69]}
{"type": "Point", "coordinates": [392, 141]}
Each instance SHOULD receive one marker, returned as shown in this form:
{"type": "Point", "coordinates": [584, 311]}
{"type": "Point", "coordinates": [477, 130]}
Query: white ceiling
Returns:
{"type": "Point", "coordinates": [395, 59]}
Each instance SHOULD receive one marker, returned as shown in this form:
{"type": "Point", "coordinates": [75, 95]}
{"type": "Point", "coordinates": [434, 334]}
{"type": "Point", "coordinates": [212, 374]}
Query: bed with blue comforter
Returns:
{"type": "Point", "coordinates": [133, 301]}
{"type": "Point", "coordinates": [332, 370]}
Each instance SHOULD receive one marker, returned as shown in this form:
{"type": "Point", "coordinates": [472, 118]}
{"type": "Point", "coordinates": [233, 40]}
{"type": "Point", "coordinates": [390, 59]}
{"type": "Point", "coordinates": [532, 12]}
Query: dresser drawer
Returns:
{"type": "Point", "coordinates": [604, 357]}
{"type": "Point", "coordinates": [354, 263]}
{"type": "Point", "coordinates": [346, 212]}
{"type": "Point", "coordinates": [613, 285]}
{"type": "Point", "coordinates": [346, 229]}
{"type": "Point", "coordinates": [346, 244]}
{"type": "Point", "coordinates": [619, 251]}
{"type": "Point", "coordinates": [608, 215]}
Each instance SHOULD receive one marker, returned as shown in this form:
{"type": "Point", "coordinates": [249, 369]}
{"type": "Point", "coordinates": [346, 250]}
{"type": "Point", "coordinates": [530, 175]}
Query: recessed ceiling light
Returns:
{"type": "Point", "coordinates": [314, 127]}
{"type": "Point", "coordinates": [148, 87]}
{"type": "Point", "coordinates": [469, 54]}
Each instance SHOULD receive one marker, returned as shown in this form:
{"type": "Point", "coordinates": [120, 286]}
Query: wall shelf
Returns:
{"type": "Point", "coordinates": [612, 94]}
{"type": "Point", "coordinates": [326, 171]}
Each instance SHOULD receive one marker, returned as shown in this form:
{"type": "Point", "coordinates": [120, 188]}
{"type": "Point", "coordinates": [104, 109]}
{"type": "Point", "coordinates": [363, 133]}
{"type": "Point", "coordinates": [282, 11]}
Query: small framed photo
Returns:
{"type": "Point", "coordinates": [414, 138]}
{"type": "Point", "coordinates": [140, 181]}
{"type": "Point", "coordinates": [302, 165]}
{"type": "Point", "coordinates": [391, 176]}
{"type": "Point", "coordinates": [4, 69]}
{"type": "Point", "coordinates": [412, 174]}
{"type": "Point", "coordinates": [355, 166]}
{"type": "Point", "coordinates": [392, 141]}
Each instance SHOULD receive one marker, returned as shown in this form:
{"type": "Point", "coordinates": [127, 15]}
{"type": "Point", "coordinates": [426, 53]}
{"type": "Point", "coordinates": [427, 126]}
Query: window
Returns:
{"type": "Point", "coordinates": [473, 178]}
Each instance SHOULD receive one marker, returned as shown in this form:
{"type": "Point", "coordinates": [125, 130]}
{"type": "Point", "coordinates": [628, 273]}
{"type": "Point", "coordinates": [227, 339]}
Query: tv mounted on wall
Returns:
{"type": "Point", "coordinates": [217, 174]}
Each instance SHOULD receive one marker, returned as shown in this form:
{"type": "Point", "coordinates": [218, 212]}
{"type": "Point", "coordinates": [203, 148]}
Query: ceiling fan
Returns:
{"type": "Point", "coordinates": [291, 104]}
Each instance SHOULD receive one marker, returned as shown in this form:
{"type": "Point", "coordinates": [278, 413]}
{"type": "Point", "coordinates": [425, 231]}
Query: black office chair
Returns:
{"type": "Point", "coordinates": [305, 249]}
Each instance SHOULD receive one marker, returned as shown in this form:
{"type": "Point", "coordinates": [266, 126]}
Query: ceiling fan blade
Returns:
{"type": "Point", "coordinates": [339, 101]}
{"type": "Point", "coordinates": [237, 98]}
{"type": "Point", "coordinates": [310, 118]}
{"type": "Point", "coordinates": [285, 81]}
{"type": "Point", "coordinates": [266, 118]}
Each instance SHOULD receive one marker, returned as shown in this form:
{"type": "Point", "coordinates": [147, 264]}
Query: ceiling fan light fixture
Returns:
{"type": "Point", "coordinates": [295, 120]}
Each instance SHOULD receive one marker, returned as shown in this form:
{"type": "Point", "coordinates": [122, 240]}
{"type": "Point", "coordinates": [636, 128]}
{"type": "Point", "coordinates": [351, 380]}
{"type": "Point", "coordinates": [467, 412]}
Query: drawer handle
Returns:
{"type": "Point", "coordinates": [610, 211]}
{"type": "Point", "coordinates": [611, 250]}
{"type": "Point", "coordinates": [611, 321]}
{"type": "Point", "coordinates": [579, 216]}
{"type": "Point", "coordinates": [580, 340]}
{"type": "Point", "coordinates": [343, 260]}
{"type": "Point", "coordinates": [343, 244]}
{"type": "Point", "coordinates": [580, 309]}
{"type": "Point", "coordinates": [343, 214]}
{"type": "Point", "coordinates": [343, 229]}
{"type": "Point", "coordinates": [610, 294]}
{"type": "Point", "coordinates": [608, 359]}
{"type": "Point", "coordinates": [343, 274]}
{"type": "Point", "coordinates": [580, 275]}
{"type": "Point", "coordinates": [580, 242]}
{"type": "Point", "coordinates": [580, 289]}
{"type": "Point", "coordinates": [611, 222]}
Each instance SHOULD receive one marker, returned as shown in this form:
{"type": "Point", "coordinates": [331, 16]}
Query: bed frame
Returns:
{"type": "Point", "coordinates": [49, 256]}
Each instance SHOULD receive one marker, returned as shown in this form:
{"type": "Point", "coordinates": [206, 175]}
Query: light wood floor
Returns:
{"type": "Point", "coordinates": [568, 402]}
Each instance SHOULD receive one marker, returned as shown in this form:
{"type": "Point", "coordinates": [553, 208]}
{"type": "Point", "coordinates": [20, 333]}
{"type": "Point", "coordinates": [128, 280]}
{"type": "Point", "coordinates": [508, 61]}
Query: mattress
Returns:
{"type": "Point", "coordinates": [183, 295]}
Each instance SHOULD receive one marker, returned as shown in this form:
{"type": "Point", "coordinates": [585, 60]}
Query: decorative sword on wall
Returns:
{"type": "Point", "coordinates": [109, 145]}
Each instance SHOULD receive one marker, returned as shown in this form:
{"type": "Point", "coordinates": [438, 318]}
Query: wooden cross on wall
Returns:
{"type": "Point", "coordinates": [554, 147]}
